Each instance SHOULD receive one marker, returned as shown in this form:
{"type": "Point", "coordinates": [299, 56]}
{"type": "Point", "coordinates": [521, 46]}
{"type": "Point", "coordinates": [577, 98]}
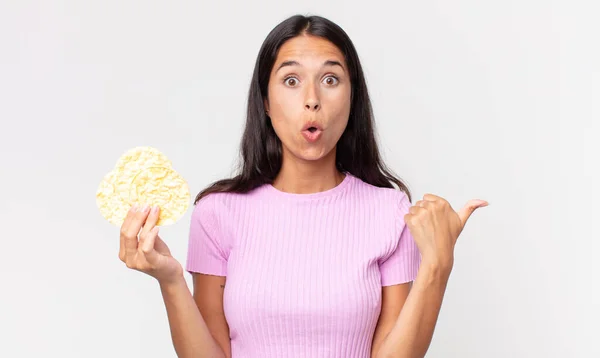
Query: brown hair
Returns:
{"type": "Point", "coordinates": [261, 155]}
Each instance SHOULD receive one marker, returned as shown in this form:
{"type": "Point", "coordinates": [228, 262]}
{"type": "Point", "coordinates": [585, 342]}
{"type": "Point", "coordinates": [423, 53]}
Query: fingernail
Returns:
{"type": "Point", "coordinates": [155, 209]}
{"type": "Point", "coordinates": [145, 208]}
{"type": "Point", "coordinates": [135, 207]}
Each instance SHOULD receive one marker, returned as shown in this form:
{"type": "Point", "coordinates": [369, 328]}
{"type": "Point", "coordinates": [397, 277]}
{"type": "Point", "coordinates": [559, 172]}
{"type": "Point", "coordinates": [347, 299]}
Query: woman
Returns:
{"type": "Point", "coordinates": [322, 255]}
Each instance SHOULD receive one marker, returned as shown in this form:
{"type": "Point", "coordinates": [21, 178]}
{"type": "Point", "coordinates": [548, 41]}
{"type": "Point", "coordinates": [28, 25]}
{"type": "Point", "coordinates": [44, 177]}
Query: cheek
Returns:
{"type": "Point", "coordinates": [338, 101]}
{"type": "Point", "coordinates": [284, 129]}
{"type": "Point", "coordinates": [340, 114]}
{"type": "Point", "coordinates": [338, 130]}
{"type": "Point", "coordinates": [284, 103]}
{"type": "Point", "coordinates": [285, 113]}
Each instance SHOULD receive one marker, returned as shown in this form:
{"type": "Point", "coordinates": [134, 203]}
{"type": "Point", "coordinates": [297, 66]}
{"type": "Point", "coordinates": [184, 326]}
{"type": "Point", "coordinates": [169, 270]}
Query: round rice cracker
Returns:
{"type": "Point", "coordinates": [132, 162]}
{"type": "Point", "coordinates": [110, 204]}
{"type": "Point", "coordinates": [164, 187]}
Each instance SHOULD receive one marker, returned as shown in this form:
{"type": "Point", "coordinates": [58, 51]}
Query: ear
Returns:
{"type": "Point", "coordinates": [266, 104]}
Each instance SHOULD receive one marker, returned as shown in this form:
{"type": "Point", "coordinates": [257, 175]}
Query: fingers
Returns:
{"type": "Point", "coordinates": [124, 225]}
{"type": "Point", "coordinates": [433, 201]}
{"type": "Point", "coordinates": [424, 203]}
{"type": "Point", "coordinates": [420, 206]}
{"type": "Point", "coordinates": [414, 210]}
{"type": "Point", "coordinates": [431, 197]}
{"type": "Point", "coordinates": [150, 221]}
{"type": "Point", "coordinates": [147, 241]}
{"type": "Point", "coordinates": [469, 208]}
{"type": "Point", "coordinates": [131, 230]}
{"type": "Point", "coordinates": [130, 215]}
{"type": "Point", "coordinates": [148, 228]}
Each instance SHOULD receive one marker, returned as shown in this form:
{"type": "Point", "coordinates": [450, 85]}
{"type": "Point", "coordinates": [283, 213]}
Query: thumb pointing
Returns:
{"type": "Point", "coordinates": [469, 208]}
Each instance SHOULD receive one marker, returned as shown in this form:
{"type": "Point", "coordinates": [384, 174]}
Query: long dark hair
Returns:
{"type": "Point", "coordinates": [357, 152]}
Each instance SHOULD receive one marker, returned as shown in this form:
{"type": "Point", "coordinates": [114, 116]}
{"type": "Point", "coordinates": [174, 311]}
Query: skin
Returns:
{"type": "Point", "coordinates": [435, 227]}
{"type": "Point", "coordinates": [143, 250]}
{"type": "Point", "coordinates": [309, 87]}
{"type": "Point", "coordinates": [309, 82]}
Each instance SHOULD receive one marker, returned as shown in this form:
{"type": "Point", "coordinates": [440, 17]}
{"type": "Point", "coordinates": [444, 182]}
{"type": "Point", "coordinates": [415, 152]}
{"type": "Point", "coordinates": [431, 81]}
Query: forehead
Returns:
{"type": "Point", "coordinates": [309, 47]}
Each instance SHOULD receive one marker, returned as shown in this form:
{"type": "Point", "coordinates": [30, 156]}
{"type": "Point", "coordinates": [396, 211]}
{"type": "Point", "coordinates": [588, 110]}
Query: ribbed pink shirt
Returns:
{"type": "Point", "coordinates": [304, 271]}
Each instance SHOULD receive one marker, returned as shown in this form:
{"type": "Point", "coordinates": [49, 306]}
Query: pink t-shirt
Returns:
{"type": "Point", "coordinates": [304, 271]}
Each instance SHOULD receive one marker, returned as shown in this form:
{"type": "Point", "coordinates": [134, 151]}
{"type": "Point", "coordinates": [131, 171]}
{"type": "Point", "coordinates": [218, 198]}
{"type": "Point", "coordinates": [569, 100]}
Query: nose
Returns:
{"type": "Point", "coordinates": [312, 105]}
{"type": "Point", "coordinates": [312, 102]}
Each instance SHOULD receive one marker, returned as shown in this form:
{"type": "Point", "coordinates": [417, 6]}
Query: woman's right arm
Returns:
{"type": "Point", "coordinates": [142, 249]}
{"type": "Point", "coordinates": [189, 331]}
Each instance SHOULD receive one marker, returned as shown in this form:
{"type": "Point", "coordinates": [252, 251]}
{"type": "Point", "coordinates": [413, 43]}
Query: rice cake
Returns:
{"type": "Point", "coordinates": [164, 187]}
{"type": "Point", "coordinates": [143, 175]}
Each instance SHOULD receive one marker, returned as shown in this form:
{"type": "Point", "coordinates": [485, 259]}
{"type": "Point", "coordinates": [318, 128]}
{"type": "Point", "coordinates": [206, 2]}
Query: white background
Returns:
{"type": "Point", "coordinates": [473, 99]}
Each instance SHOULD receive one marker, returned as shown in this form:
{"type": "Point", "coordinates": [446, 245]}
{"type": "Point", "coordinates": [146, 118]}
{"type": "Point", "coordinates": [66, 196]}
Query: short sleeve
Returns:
{"type": "Point", "coordinates": [403, 263]}
{"type": "Point", "coordinates": [206, 252]}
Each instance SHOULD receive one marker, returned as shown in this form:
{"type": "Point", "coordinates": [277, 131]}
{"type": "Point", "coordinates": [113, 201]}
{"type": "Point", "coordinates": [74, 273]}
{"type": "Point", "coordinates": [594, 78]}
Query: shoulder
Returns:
{"type": "Point", "coordinates": [391, 198]}
{"type": "Point", "coordinates": [223, 204]}
{"type": "Point", "coordinates": [209, 208]}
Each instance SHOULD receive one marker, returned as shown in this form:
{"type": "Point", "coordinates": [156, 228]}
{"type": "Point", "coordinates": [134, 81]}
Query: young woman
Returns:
{"type": "Point", "coordinates": [323, 256]}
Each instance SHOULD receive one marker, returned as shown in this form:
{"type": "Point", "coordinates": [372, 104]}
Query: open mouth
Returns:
{"type": "Point", "coordinates": [312, 133]}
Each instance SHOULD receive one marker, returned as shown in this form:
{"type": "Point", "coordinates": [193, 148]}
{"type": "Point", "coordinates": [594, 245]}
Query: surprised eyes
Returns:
{"type": "Point", "coordinates": [292, 81]}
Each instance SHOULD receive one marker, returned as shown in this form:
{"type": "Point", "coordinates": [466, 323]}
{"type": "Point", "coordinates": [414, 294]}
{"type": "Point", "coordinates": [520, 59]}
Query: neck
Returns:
{"type": "Point", "coordinates": [300, 176]}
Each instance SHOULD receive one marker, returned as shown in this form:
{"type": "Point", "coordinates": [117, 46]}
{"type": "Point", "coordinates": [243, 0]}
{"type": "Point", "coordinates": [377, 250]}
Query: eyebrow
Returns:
{"type": "Point", "coordinates": [296, 63]}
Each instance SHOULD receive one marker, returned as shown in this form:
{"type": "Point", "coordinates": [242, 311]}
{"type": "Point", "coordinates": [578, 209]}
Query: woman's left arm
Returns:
{"type": "Point", "coordinates": [435, 227]}
{"type": "Point", "coordinates": [413, 330]}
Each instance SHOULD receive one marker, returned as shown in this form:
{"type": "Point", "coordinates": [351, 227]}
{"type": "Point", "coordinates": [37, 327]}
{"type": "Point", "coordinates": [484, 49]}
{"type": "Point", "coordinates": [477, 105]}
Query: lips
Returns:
{"type": "Point", "coordinates": [312, 131]}
{"type": "Point", "coordinates": [312, 126]}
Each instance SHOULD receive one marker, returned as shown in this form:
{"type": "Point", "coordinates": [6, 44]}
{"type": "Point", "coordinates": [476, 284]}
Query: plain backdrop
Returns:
{"type": "Point", "coordinates": [473, 99]}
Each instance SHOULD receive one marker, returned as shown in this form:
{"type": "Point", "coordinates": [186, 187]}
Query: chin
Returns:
{"type": "Point", "coordinates": [312, 154]}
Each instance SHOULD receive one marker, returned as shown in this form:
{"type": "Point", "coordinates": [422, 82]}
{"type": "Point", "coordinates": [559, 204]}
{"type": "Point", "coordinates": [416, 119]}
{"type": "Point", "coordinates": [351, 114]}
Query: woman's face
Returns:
{"type": "Point", "coordinates": [309, 97]}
